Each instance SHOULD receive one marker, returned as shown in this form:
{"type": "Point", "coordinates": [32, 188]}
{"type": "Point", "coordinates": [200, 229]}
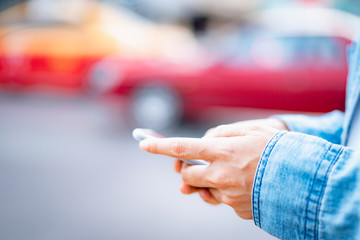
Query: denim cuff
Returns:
{"type": "Point", "coordinates": [327, 126]}
{"type": "Point", "coordinates": [289, 184]}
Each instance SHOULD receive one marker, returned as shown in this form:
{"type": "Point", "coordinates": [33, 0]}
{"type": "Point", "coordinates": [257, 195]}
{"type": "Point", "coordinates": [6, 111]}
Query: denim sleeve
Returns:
{"type": "Point", "coordinates": [328, 126]}
{"type": "Point", "coordinates": [307, 188]}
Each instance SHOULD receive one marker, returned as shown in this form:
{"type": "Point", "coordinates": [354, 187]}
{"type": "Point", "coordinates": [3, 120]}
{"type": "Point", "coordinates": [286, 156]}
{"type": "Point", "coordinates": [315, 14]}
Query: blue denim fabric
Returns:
{"type": "Point", "coordinates": [328, 126]}
{"type": "Point", "coordinates": [307, 185]}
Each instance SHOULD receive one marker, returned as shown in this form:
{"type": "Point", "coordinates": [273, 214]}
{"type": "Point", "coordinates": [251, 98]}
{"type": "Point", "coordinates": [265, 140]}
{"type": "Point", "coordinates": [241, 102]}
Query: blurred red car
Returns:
{"type": "Point", "coordinates": [284, 60]}
{"type": "Point", "coordinates": [306, 74]}
{"type": "Point", "coordinates": [257, 67]}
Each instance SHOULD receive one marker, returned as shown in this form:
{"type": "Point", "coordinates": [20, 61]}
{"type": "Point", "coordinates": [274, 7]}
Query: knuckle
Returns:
{"type": "Point", "coordinates": [257, 128]}
{"type": "Point", "coordinates": [210, 132]}
{"type": "Point", "coordinates": [228, 200]}
{"type": "Point", "coordinates": [220, 130]}
{"type": "Point", "coordinates": [216, 131]}
{"type": "Point", "coordinates": [224, 152]}
{"type": "Point", "coordinates": [178, 148]}
{"type": "Point", "coordinates": [217, 179]}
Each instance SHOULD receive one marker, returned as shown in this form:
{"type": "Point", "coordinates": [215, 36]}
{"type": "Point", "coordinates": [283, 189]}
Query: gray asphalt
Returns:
{"type": "Point", "coordinates": [69, 169]}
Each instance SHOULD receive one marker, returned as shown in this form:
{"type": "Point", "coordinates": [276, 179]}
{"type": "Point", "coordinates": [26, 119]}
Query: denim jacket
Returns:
{"type": "Point", "coordinates": [307, 184]}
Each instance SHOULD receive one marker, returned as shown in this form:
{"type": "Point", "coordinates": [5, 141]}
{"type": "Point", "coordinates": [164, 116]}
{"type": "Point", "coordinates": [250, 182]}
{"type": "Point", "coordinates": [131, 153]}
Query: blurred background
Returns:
{"type": "Point", "coordinates": [76, 76]}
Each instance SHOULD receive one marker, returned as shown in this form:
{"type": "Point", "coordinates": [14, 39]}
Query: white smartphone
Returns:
{"type": "Point", "coordinates": [143, 133]}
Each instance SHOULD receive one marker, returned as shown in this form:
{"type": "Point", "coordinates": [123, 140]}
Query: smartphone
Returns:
{"type": "Point", "coordinates": [142, 133]}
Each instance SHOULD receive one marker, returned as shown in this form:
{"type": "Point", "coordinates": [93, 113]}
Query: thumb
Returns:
{"type": "Point", "coordinates": [226, 131]}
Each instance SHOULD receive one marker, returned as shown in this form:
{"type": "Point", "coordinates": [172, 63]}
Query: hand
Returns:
{"type": "Point", "coordinates": [233, 161]}
{"type": "Point", "coordinates": [228, 130]}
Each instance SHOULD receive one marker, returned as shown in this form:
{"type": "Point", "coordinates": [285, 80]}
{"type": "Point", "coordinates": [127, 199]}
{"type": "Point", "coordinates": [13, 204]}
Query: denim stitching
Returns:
{"type": "Point", "coordinates": [259, 175]}
{"type": "Point", "coordinates": [311, 190]}
{"type": "Point", "coordinates": [320, 196]}
{"type": "Point", "coordinates": [323, 188]}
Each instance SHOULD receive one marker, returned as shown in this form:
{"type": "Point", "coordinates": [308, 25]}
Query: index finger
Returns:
{"type": "Point", "coordinates": [185, 148]}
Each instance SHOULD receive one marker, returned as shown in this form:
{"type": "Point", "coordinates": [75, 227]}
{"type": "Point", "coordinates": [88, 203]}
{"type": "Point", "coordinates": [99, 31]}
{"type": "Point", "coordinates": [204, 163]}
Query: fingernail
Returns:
{"type": "Point", "coordinates": [204, 193]}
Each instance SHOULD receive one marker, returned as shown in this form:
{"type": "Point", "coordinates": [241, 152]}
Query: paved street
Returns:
{"type": "Point", "coordinates": [69, 169]}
